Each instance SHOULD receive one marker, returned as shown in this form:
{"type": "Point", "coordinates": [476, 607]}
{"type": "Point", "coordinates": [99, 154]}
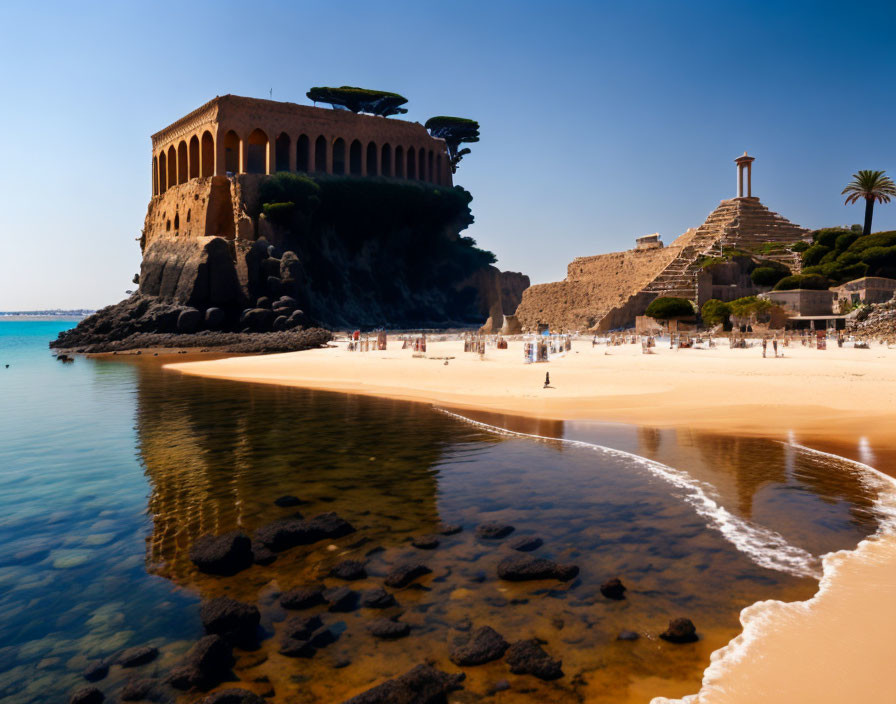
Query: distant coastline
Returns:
{"type": "Point", "coordinates": [52, 314]}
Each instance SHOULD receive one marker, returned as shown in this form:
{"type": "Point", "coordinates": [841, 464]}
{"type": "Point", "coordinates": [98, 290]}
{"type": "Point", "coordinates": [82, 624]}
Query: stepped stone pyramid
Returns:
{"type": "Point", "coordinates": [609, 290]}
{"type": "Point", "coordinates": [743, 223]}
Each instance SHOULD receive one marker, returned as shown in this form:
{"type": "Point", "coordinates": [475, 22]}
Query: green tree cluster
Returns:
{"type": "Point", "coordinates": [455, 131]}
{"type": "Point", "coordinates": [841, 254]}
{"type": "Point", "coordinates": [666, 307]}
{"type": "Point", "coordinates": [373, 102]}
{"type": "Point", "coordinates": [715, 311]}
{"type": "Point", "coordinates": [815, 282]}
{"type": "Point", "coordinates": [749, 306]}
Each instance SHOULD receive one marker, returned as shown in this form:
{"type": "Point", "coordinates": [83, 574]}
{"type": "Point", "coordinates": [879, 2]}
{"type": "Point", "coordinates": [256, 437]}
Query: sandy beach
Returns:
{"type": "Point", "coordinates": [841, 399]}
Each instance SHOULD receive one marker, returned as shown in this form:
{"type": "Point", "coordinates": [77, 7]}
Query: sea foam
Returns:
{"type": "Point", "coordinates": [765, 547]}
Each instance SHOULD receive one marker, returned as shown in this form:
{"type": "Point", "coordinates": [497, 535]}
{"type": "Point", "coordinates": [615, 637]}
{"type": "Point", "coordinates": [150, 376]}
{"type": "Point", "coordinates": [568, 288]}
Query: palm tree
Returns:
{"type": "Point", "coordinates": [872, 186]}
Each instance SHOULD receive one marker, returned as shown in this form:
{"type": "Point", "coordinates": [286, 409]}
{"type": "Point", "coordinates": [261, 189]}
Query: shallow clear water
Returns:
{"type": "Point", "coordinates": [111, 468]}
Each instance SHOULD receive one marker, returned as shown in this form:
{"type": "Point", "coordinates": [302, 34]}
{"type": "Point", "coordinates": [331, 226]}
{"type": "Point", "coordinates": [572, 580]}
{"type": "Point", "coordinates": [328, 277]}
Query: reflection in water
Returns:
{"type": "Point", "coordinates": [217, 454]}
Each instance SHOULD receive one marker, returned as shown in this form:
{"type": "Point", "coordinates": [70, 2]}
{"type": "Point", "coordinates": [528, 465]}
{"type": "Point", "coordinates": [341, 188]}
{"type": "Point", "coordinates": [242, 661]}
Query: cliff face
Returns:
{"type": "Point", "coordinates": [351, 252]}
{"type": "Point", "coordinates": [274, 253]}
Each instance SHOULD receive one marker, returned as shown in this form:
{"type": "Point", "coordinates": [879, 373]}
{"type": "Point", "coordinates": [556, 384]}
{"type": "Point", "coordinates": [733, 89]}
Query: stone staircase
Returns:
{"type": "Point", "coordinates": [743, 223]}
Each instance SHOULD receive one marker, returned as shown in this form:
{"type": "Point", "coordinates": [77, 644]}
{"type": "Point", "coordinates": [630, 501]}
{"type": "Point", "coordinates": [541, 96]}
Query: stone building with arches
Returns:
{"type": "Point", "coordinates": [196, 159]}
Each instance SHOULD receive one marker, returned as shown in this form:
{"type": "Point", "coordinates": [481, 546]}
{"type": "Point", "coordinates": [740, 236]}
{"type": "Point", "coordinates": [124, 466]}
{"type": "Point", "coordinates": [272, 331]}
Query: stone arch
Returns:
{"type": "Point", "coordinates": [386, 160]}
{"type": "Point", "coordinates": [439, 169]}
{"type": "Point", "coordinates": [182, 164]}
{"type": "Point", "coordinates": [303, 152]}
{"type": "Point", "coordinates": [399, 161]}
{"type": "Point", "coordinates": [194, 157]}
{"type": "Point", "coordinates": [257, 152]}
{"type": "Point", "coordinates": [176, 221]}
{"type": "Point", "coordinates": [207, 162]}
{"type": "Point", "coordinates": [431, 160]}
{"type": "Point", "coordinates": [281, 152]}
{"type": "Point", "coordinates": [320, 154]}
{"type": "Point", "coordinates": [231, 152]}
{"type": "Point", "coordinates": [339, 156]}
{"type": "Point", "coordinates": [163, 173]}
{"type": "Point", "coordinates": [372, 161]}
{"type": "Point", "coordinates": [421, 169]}
{"type": "Point", "coordinates": [412, 163]}
{"type": "Point", "coordinates": [172, 166]}
{"type": "Point", "coordinates": [155, 176]}
{"type": "Point", "coordinates": [354, 159]}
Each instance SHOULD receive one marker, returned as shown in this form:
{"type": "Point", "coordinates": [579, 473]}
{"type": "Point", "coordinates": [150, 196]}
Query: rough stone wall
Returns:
{"type": "Point", "coordinates": [593, 287]}
{"type": "Point", "coordinates": [202, 207]}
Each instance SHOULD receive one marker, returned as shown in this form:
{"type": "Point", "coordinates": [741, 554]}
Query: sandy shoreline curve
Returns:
{"type": "Point", "coordinates": [834, 647]}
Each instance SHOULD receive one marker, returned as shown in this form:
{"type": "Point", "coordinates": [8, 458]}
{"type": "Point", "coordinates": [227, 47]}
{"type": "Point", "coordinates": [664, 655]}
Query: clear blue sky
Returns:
{"type": "Point", "coordinates": [600, 121]}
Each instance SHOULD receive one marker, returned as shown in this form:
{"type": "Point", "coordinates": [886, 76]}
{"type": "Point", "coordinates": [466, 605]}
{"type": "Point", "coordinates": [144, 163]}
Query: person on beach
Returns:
{"type": "Point", "coordinates": [775, 345]}
{"type": "Point", "coordinates": [547, 379]}
{"type": "Point", "coordinates": [764, 345]}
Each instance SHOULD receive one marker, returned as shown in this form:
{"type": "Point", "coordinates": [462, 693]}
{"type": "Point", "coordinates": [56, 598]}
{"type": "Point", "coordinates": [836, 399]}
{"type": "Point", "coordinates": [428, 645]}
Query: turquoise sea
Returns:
{"type": "Point", "coordinates": [110, 469]}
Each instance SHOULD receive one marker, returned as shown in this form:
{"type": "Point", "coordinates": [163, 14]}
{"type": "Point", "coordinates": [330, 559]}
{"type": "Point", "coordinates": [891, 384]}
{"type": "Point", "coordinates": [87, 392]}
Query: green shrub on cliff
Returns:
{"type": "Point", "coordinates": [767, 275]}
{"type": "Point", "coordinates": [749, 306]}
{"type": "Point", "coordinates": [666, 307]}
{"type": "Point", "coordinates": [715, 311]}
{"type": "Point", "coordinates": [815, 282]}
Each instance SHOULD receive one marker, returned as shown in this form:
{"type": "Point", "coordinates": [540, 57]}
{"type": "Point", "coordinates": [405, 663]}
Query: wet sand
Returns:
{"type": "Point", "coordinates": [834, 647]}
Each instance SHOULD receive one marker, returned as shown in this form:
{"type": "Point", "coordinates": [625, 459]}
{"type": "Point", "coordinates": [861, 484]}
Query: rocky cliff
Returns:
{"type": "Point", "coordinates": [261, 254]}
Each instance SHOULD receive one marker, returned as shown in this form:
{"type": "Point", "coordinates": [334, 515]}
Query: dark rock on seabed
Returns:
{"type": "Point", "coordinates": [526, 543]}
{"type": "Point", "coordinates": [493, 531]}
{"type": "Point", "coordinates": [87, 695]}
{"type": "Point", "coordinates": [302, 597]}
{"type": "Point", "coordinates": [139, 655]}
{"type": "Point", "coordinates": [388, 629]}
{"type": "Point", "coordinates": [287, 501]}
{"type": "Point", "coordinates": [223, 555]}
{"type": "Point", "coordinates": [484, 645]}
{"type": "Point", "coordinates": [96, 671]}
{"type": "Point", "coordinates": [613, 589]}
{"type": "Point", "coordinates": [520, 568]}
{"type": "Point", "coordinates": [140, 690]}
{"type": "Point", "coordinates": [526, 657]}
{"type": "Point", "coordinates": [377, 598]}
{"type": "Point", "coordinates": [450, 529]}
{"type": "Point", "coordinates": [233, 696]}
{"type": "Point", "coordinates": [425, 542]}
{"type": "Point", "coordinates": [290, 532]}
{"type": "Point", "coordinates": [422, 685]}
{"type": "Point", "coordinates": [349, 570]}
{"type": "Point", "coordinates": [341, 599]}
{"type": "Point", "coordinates": [206, 664]}
{"type": "Point", "coordinates": [628, 635]}
{"type": "Point", "coordinates": [404, 574]}
{"type": "Point", "coordinates": [233, 620]}
{"type": "Point", "coordinates": [680, 630]}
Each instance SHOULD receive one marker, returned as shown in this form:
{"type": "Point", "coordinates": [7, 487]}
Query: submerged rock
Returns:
{"type": "Point", "coordinates": [405, 573]}
{"type": "Point", "coordinates": [680, 630]}
{"type": "Point", "coordinates": [96, 671]}
{"type": "Point", "coordinates": [493, 531]}
{"type": "Point", "coordinates": [520, 568]}
{"type": "Point", "coordinates": [613, 589]}
{"type": "Point", "coordinates": [206, 665]}
{"type": "Point", "coordinates": [485, 644]}
{"type": "Point", "coordinates": [450, 529]}
{"type": "Point", "coordinates": [526, 543]}
{"type": "Point", "coordinates": [377, 598]}
{"type": "Point", "coordinates": [289, 532]}
{"type": "Point", "coordinates": [425, 542]}
{"type": "Point", "coordinates": [87, 695]}
{"type": "Point", "coordinates": [233, 696]}
{"type": "Point", "coordinates": [526, 657]}
{"type": "Point", "coordinates": [349, 570]}
{"type": "Point", "coordinates": [140, 689]}
{"type": "Point", "coordinates": [288, 500]}
{"type": "Point", "coordinates": [628, 635]}
{"type": "Point", "coordinates": [422, 685]}
{"type": "Point", "coordinates": [302, 628]}
{"type": "Point", "coordinates": [302, 597]}
{"type": "Point", "coordinates": [233, 620]}
{"type": "Point", "coordinates": [341, 599]}
{"type": "Point", "coordinates": [223, 555]}
{"type": "Point", "coordinates": [262, 555]}
{"type": "Point", "coordinates": [388, 629]}
{"type": "Point", "coordinates": [140, 655]}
